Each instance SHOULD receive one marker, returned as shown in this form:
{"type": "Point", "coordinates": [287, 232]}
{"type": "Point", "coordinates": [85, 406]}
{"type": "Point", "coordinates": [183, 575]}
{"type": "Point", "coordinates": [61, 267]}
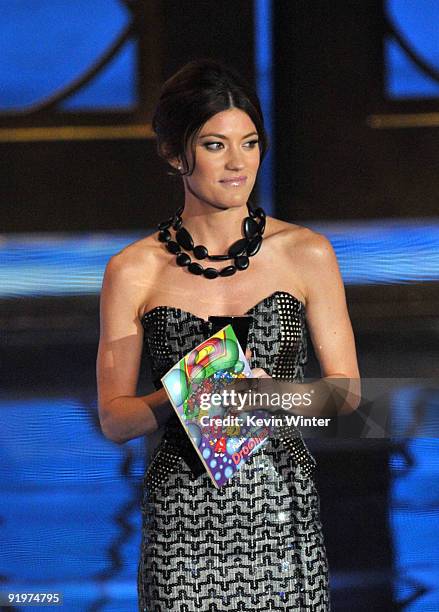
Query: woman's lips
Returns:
{"type": "Point", "coordinates": [234, 182]}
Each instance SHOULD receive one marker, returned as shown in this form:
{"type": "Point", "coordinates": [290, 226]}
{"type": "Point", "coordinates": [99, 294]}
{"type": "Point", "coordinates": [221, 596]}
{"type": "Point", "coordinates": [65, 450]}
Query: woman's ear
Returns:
{"type": "Point", "coordinates": [175, 162]}
{"type": "Point", "coordinates": [164, 153]}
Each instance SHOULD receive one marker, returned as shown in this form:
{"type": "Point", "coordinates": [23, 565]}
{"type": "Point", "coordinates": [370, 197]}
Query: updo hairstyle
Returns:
{"type": "Point", "coordinates": [194, 94]}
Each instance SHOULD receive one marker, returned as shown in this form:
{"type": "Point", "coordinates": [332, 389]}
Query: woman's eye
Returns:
{"type": "Point", "coordinates": [212, 146]}
{"type": "Point", "coordinates": [215, 146]}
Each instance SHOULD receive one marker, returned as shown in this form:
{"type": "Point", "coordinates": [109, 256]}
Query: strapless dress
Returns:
{"type": "Point", "coordinates": [256, 543]}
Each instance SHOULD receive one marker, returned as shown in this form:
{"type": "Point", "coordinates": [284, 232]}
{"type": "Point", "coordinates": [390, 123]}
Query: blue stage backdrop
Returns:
{"type": "Point", "coordinates": [45, 44]}
{"type": "Point", "coordinates": [417, 22]}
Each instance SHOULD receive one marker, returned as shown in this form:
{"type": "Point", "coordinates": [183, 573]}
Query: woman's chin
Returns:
{"type": "Point", "coordinates": [236, 201]}
{"type": "Point", "coordinates": [235, 204]}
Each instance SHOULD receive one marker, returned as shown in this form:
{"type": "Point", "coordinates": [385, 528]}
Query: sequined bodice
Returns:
{"type": "Point", "coordinates": [277, 338]}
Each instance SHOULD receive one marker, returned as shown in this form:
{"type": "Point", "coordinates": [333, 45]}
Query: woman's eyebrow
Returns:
{"type": "Point", "coordinates": [225, 137]}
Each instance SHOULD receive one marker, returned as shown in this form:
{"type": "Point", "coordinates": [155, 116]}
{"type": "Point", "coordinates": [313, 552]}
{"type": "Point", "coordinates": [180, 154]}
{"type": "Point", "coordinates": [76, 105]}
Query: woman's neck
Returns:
{"type": "Point", "coordinates": [213, 227]}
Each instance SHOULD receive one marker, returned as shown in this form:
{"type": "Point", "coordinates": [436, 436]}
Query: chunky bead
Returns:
{"type": "Point", "coordinates": [178, 222]}
{"type": "Point", "coordinates": [195, 268]}
{"type": "Point", "coordinates": [251, 228]}
{"type": "Point", "coordinates": [210, 273]}
{"type": "Point", "coordinates": [238, 247]}
{"type": "Point", "coordinates": [183, 259]}
{"type": "Point", "coordinates": [184, 239]}
{"type": "Point", "coordinates": [228, 271]}
{"type": "Point", "coordinates": [254, 245]}
{"type": "Point", "coordinates": [164, 235]}
{"type": "Point", "coordinates": [241, 262]}
{"type": "Point", "coordinates": [165, 224]}
{"type": "Point", "coordinates": [200, 252]}
{"type": "Point", "coordinates": [173, 247]}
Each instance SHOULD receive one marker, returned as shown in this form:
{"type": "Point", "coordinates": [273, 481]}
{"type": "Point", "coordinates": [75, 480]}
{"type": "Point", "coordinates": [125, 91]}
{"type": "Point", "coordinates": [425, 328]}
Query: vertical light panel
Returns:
{"type": "Point", "coordinates": [263, 38]}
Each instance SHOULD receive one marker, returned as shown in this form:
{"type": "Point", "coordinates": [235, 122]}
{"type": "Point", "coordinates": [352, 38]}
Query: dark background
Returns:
{"type": "Point", "coordinates": [328, 162]}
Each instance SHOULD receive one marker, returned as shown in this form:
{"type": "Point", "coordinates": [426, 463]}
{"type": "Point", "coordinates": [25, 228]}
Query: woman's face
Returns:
{"type": "Point", "coordinates": [227, 160]}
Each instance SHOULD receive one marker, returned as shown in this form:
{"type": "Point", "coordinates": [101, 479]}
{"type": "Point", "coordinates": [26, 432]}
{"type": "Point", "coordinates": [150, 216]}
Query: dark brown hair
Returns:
{"type": "Point", "coordinates": [194, 94]}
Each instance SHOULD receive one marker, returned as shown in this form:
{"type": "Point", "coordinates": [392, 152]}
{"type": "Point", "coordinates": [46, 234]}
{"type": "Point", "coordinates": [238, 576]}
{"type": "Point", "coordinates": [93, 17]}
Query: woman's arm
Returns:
{"type": "Point", "coordinates": [339, 390]}
{"type": "Point", "coordinates": [328, 319]}
{"type": "Point", "coordinates": [122, 415]}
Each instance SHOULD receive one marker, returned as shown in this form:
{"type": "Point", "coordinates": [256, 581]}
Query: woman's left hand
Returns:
{"type": "Point", "coordinates": [259, 373]}
{"type": "Point", "coordinates": [244, 385]}
{"type": "Point", "coordinates": [256, 372]}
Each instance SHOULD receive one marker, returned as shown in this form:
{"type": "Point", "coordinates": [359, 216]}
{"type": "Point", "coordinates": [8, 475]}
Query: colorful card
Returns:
{"type": "Point", "coordinates": [197, 387]}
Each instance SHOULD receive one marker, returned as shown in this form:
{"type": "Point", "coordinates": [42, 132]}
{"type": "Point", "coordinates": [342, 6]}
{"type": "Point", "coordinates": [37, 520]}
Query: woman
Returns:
{"type": "Point", "coordinates": [255, 543]}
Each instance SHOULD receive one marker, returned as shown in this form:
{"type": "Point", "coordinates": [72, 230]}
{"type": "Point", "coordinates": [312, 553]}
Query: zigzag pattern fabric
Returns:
{"type": "Point", "coordinates": [257, 542]}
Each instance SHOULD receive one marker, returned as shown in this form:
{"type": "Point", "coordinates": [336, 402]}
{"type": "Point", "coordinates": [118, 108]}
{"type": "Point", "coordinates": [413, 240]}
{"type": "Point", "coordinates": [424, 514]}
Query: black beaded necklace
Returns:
{"type": "Point", "coordinates": [239, 251]}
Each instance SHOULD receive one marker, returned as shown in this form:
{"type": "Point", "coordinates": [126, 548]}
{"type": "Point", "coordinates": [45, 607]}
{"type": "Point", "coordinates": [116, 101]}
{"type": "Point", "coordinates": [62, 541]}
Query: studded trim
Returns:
{"type": "Point", "coordinates": [290, 365]}
{"type": "Point", "coordinates": [161, 466]}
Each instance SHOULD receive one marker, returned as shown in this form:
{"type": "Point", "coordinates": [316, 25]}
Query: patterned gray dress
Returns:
{"type": "Point", "coordinates": [256, 543]}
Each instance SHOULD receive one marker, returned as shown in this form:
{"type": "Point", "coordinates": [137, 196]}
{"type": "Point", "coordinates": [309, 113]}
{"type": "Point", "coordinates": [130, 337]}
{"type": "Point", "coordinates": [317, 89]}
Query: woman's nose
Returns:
{"type": "Point", "coordinates": [235, 160]}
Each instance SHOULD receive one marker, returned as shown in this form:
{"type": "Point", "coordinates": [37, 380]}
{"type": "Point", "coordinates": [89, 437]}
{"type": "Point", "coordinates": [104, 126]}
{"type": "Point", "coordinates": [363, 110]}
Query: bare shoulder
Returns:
{"type": "Point", "coordinates": [309, 255]}
{"type": "Point", "coordinates": [135, 256]}
{"type": "Point", "coordinates": [305, 242]}
{"type": "Point", "coordinates": [134, 268]}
